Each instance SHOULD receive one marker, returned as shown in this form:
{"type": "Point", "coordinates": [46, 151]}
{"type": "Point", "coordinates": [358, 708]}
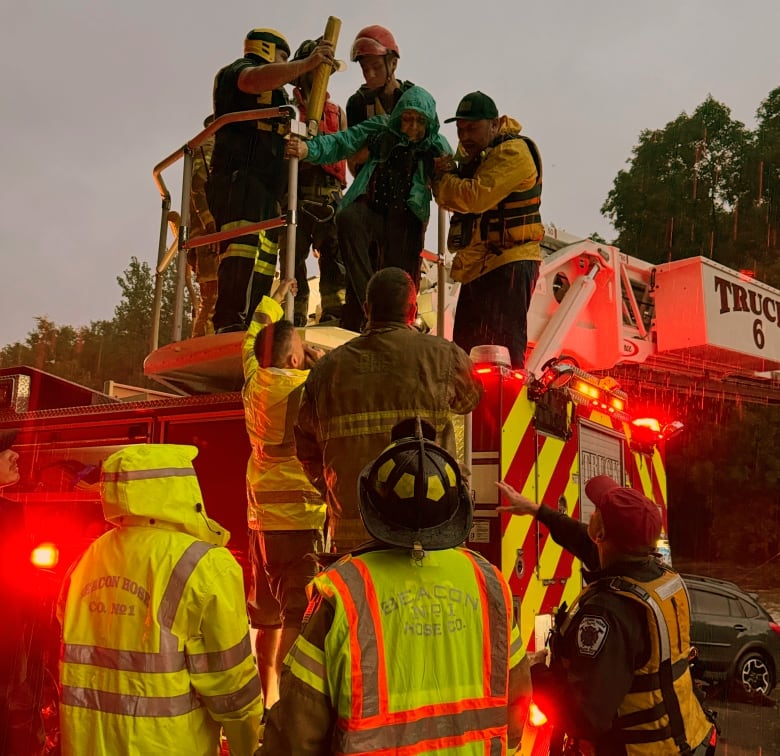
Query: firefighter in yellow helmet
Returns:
{"type": "Point", "coordinates": [156, 656]}
{"type": "Point", "coordinates": [248, 170]}
{"type": "Point", "coordinates": [619, 680]}
{"type": "Point", "coordinates": [411, 644]}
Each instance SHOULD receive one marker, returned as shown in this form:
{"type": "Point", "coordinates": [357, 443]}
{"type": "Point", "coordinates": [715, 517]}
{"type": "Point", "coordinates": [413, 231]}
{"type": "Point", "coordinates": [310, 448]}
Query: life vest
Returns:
{"type": "Point", "coordinates": [418, 654]}
{"type": "Point", "coordinates": [517, 217]}
{"type": "Point", "coordinates": [330, 123]}
{"type": "Point", "coordinates": [660, 715]}
{"type": "Point", "coordinates": [515, 220]}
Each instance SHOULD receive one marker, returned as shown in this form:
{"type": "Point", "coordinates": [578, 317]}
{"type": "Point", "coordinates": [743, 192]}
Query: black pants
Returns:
{"type": "Point", "coordinates": [493, 308]}
{"type": "Point", "coordinates": [317, 229]}
{"type": "Point", "coordinates": [240, 196]}
{"type": "Point", "coordinates": [369, 241]}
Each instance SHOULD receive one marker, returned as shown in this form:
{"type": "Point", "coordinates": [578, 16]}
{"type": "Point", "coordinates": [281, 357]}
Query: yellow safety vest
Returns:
{"type": "Point", "coordinates": [660, 715]}
{"type": "Point", "coordinates": [418, 656]}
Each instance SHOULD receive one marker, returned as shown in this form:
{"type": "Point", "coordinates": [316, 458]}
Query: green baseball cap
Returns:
{"type": "Point", "coordinates": [475, 106]}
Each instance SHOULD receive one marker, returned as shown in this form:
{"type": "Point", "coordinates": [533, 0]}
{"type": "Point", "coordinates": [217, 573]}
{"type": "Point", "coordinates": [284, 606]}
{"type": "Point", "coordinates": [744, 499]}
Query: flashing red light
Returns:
{"type": "Point", "coordinates": [649, 423]}
{"type": "Point", "coordinates": [536, 717]}
{"type": "Point", "coordinates": [45, 555]}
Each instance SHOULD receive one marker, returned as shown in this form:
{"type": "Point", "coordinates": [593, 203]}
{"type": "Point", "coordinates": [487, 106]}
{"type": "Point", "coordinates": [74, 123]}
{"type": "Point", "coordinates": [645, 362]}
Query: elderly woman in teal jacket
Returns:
{"type": "Point", "coordinates": [382, 218]}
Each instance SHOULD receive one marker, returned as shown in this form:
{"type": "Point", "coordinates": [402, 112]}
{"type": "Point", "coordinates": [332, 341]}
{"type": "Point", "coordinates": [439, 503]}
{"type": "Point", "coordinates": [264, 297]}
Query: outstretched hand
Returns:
{"type": "Point", "coordinates": [518, 504]}
{"type": "Point", "coordinates": [285, 285]}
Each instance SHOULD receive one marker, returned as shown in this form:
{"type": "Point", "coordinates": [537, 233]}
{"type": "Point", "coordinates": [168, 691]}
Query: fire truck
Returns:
{"type": "Point", "coordinates": [604, 328]}
{"type": "Point", "coordinates": [595, 314]}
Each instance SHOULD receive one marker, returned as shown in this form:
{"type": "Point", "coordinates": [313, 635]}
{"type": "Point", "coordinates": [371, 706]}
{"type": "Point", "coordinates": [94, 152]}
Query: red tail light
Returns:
{"type": "Point", "coordinates": [536, 717]}
{"type": "Point", "coordinates": [774, 626]}
{"type": "Point", "coordinates": [45, 555]}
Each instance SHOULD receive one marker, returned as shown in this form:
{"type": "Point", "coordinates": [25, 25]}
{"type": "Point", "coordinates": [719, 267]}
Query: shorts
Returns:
{"type": "Point", "coordinates": [283, 565]}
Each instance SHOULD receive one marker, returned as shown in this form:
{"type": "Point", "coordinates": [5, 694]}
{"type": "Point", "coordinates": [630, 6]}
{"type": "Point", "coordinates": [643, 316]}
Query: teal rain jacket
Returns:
{"type": "Point", "coordinates": [382, 134]}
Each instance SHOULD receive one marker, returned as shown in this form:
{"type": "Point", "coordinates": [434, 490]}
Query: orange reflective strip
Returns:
{"type": "Point", "coordinates": [364, 652]}
{"type": "Point", "coordinates": [429, 728]}
{"type": "Point", "coordinates": [377, 636]}
{"type": "Point", "coordinates": [496, 629]}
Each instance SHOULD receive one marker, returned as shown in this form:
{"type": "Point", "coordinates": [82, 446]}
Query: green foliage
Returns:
{"type": "Point", "coordinates": [678, 197]}
{"type": "Point", "coordinates": [105, 349]}
{"type": "Point", "coordinates": [706, 185]}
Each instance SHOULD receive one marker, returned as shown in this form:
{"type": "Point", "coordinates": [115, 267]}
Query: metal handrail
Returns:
{"type": "Point", "coordinates": [164, 254]}
{"type": "Point", "coordinates": [181, 232]}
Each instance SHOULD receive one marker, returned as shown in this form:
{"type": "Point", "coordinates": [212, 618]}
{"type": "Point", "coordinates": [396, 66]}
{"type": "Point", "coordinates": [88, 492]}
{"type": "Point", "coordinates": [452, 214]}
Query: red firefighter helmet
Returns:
{"type": "Point", "coordinates": [374, 40]}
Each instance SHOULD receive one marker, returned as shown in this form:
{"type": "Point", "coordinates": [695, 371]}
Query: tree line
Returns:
{"type": "Point", "coordinates": [704, 184]}
{"type": "Point", "coordinates": [105, 349]}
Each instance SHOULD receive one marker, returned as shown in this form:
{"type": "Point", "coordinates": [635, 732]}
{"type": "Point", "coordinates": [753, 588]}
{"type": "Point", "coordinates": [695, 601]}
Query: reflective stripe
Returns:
{"type": "Point", "coordinates": [220, 661]}
{"type": "Point", "coordinates": [233, 702]}
{"type": "Point", "coordinates": [162, 472]}
{"type": "Point", "coordinates": [442, 730]}
{"type": "Point", "coordinates": [370, 725]}
{"type": "Point", "coordinates": [496, 628]}
{"type": "Point", "coordinates": [361, 423]}
{"type": "Point", "coordinates": [127, 661]}
{"type": "Point", "coordinates": [246, 251]}
{"type": "Point", "coordinates": [306, 667]}
{"type": "Point", "coordinates": [135, 706]}
{"type": "Point", "coordinates": [169, 658]}
{"type": "Point", "coordinates": [290, 496]}
{"type": "Point", "coordinates": [166, 612]}
{"type": "Point", "coordinates": [364, 638]}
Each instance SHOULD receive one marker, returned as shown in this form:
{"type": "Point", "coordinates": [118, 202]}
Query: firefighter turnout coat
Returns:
{"type": "Point", "coordinates": [156, 654]}
{"type": "Point", "coordinates": [404, 656]}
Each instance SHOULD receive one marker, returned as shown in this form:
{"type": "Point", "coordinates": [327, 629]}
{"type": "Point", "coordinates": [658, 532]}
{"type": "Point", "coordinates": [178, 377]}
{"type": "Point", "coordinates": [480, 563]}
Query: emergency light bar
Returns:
{"type": "Point", "coordinates": [601, 394]}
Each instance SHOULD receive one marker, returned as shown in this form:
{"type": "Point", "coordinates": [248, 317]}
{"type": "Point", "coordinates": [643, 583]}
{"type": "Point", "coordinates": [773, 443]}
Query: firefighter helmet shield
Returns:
{"type": "Point", "coordinates": [413, 493]}
{"type": "Point", "coordinates": [374, 40]}
{"type": "Point", "coordinates": [263, 43]}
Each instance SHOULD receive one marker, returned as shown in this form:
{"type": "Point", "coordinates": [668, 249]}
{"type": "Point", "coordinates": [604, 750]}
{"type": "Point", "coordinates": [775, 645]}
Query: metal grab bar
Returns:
{"type": "Point", "coordinates": [163, 256]}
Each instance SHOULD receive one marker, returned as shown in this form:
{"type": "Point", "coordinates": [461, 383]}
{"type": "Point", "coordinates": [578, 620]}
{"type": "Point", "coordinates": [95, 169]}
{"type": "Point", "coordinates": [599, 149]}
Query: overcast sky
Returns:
{"type": "Point", "coordinates": [94, 94]}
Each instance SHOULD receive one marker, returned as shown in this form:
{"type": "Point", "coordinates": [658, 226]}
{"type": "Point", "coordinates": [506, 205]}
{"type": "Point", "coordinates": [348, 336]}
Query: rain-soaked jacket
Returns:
{"type": "Point", "coordinates": [156, 653]}
{"type": "Point", "coordinates": [505, 184]}
{"type": "Point", "coordinates": [280, 496]}
{"type": "Point", "coordinates": [356, 393]}
{"type": "Point", "coordinates": [382, 134]}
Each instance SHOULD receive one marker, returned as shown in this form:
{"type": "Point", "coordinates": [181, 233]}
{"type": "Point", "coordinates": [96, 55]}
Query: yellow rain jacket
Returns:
{"type": "Point", "coordinates": [156, 655]}
{"type": "Point", "coordinates": [280, 496]}
{"type": "Point", "coordinates": [503, 196]}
